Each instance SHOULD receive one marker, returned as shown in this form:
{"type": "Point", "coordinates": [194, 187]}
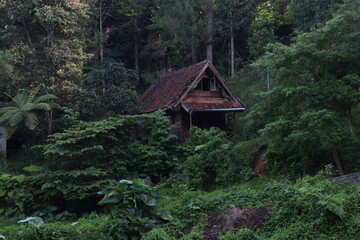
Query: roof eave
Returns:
{"type": "Point", "coordinates": [221, 110]}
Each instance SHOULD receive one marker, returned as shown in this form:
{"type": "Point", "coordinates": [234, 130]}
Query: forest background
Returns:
{"type": "Point", "coordinates": [71, 75]}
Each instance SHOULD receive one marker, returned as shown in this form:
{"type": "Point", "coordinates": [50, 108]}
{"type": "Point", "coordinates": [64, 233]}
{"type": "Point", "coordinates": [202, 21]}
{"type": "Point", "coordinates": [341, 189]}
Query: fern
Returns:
{"type": "Point", "coordinates": [45, 98]}
{"type": "Point", "coordinates": [24, 109]}
{"type": "Point", "coordinates": [31, 121]}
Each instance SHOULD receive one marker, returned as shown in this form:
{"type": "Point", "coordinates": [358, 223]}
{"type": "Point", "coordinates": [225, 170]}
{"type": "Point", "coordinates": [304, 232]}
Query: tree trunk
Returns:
{"type": "Point", "coordinates": [50, 121]}
{"type": "Point", "coordinates": [337, 160]}
{"type": "Point", "coordinates": [136, 48]}
{"type": "Point", "coordinates": [267, 81]}
{"type": "Point", "coordinates": [27, 32]}
{"type": "Point", "coordinates": [209, 42]}
{"type": "Point", "coordinates": [232, 56]}
{"type": "Point", "coordinates": [193, 51]}
{"type": "Point", "coordinates": [351, 121]}
{"type": "Point", "coordinates": [101, 48]}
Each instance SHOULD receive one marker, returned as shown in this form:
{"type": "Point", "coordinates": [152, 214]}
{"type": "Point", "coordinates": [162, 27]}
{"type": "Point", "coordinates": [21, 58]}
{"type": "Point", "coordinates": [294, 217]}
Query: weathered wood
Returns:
{"type": "Point", "coordinates": [200, 93]}
{"type": "Point", "coordinates": [188, 106]}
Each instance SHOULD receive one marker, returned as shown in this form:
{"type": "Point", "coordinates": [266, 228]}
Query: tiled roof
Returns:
{"type": "Point", "coordinates": [173, 89]}
{"type": "Point", "coordinates": [169, 88]}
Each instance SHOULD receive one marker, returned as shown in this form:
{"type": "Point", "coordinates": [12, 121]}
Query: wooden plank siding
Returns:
{"type": "Point", "coordinates": [205, 94]}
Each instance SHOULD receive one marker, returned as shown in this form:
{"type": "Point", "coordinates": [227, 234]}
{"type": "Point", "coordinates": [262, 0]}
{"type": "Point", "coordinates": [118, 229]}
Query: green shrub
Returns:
{"type": "Point", "coordinates": [242, 234]}
{"type": "Point", "coordinates": [206, 158]}
{"type": "Point", "coordinates": [133, 209]}
{"type": "Point", "coordinates": [89, 155]}
{"type": "Point", "coordinates": [157, 234]}
{"type": "Point", "coordinates": [140, 144]}
{"type": "Point", "coordinates": [313, 208]}
{"type": "Point", "coordinates": [243, 157]}
{"type": "Point", "coordinates": [16, 193]}
{"type": "Point", "coordinates": [196, 233]}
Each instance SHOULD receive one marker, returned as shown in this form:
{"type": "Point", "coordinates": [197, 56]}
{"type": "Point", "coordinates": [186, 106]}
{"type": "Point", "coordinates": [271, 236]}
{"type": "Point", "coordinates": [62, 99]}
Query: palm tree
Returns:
{"type": "Point", "coordinates": [24, 109]}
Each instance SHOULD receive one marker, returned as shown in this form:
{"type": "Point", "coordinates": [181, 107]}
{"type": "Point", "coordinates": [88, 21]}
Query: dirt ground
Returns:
{"type": "Point", "coordinates": [233, 219]}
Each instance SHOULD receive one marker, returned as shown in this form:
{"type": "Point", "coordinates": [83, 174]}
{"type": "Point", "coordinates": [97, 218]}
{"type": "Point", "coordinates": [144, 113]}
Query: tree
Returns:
{"type": "Point", "coordinates": [24, 109]}
{"type": "Point", "coordinates": [48, 43]}
{"type": "Point", "coordinates": [310, 14]}
{"type": "Point", "coordinates": [110, 90]}
{"type": "Point", "coordinates": [182, 26]}
{"type": "Point", "coordinates": [318, 82]}
{"type": "Point", "coordinates": [262, 29]}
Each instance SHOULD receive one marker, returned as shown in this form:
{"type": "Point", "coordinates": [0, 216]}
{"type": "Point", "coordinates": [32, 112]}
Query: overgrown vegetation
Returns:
{"type": "Point", "coordinates": [84, 163]}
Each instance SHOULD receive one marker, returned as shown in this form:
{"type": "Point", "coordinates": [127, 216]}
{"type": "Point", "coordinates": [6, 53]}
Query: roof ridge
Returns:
{"type": "Point", "coordinates": [195, 64]}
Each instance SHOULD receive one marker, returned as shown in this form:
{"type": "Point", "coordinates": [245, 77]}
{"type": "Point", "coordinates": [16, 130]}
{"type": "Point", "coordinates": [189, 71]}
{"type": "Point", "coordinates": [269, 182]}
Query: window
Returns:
{"type": "Point", "coordinates": [213, 84]}
{"type": "Point", "coordinates": [206, 84]}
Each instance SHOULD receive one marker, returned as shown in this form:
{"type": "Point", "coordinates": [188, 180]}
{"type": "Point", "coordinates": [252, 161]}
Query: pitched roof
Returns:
{"type": "Point", "coordinates": [172, 89]}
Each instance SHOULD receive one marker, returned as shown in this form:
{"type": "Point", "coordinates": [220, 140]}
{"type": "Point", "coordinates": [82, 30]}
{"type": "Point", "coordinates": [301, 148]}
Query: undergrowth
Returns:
{"type": "Point", "coordinates": [309, 208]}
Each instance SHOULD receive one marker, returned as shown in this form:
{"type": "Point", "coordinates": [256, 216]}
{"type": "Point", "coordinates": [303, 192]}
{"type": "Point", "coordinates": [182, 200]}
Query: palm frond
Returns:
{"type": "Point", "coordinates": [54, 105]}
{"type": "Point", "coordinates": [28, 106]}
{"type": "Point", "coordinates": [45, 98]}
{"type": "Point", "coordinates": [20, 99]}
{"type": "Point", "coordinates": [6, 109]}
{"type": "Point", "coordinates": [42, 106]}
{"type": "Point", "coordinates": [17, 118]}
{"type": "Point", "coordinates": [7, 116]}
{"type": "Point", "coordinates": [31, 121]}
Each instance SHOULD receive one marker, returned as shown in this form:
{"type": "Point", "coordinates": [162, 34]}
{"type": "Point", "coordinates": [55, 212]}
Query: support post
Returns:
{"type": "Point", "coordinates": [190, 112]}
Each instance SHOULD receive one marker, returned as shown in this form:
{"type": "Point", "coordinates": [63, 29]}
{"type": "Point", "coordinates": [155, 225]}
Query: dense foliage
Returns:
{"type": "Point", "coordinates": [71, 73]}
{"type": "Point", "coordinates": [312, 206]}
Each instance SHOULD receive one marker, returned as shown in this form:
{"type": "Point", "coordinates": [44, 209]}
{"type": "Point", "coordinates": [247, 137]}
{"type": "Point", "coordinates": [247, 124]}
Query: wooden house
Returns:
{"type": "Point", "coordinates": [194, 96]}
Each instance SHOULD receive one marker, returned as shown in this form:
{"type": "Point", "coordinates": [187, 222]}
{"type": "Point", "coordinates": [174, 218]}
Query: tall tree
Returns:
{"type": "Point", "coordinates": [47, 42]}
{"type": "Point", "coordinates": [210, 30]}
{"type": "Point", "coordinates": [182, 26]}
{"type": "Point", "coordinates": [318, 82]}
{"type": "Point", "coordinates": [308, 14]}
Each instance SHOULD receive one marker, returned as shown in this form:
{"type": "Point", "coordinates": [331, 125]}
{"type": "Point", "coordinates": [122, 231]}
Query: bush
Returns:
{"type": "Point", "coordinates": [313, 208]}
{"type": "Point", "coordinates": [242, 234]}
{"type": "Point", "coordinates": [133, 209]}
{"type": "Point", "coordinates": [16, 193]}
{"type": "Point", "coordinates": [206, 158]}
{"type": "Point", "coordinates": [197, 233]}
{"type": "Point", "coordinates": [36, 229]}
{"type": "Point", "coordinates": [140, 144]}
{"type": "Point", "coordinates": [157, 234]}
